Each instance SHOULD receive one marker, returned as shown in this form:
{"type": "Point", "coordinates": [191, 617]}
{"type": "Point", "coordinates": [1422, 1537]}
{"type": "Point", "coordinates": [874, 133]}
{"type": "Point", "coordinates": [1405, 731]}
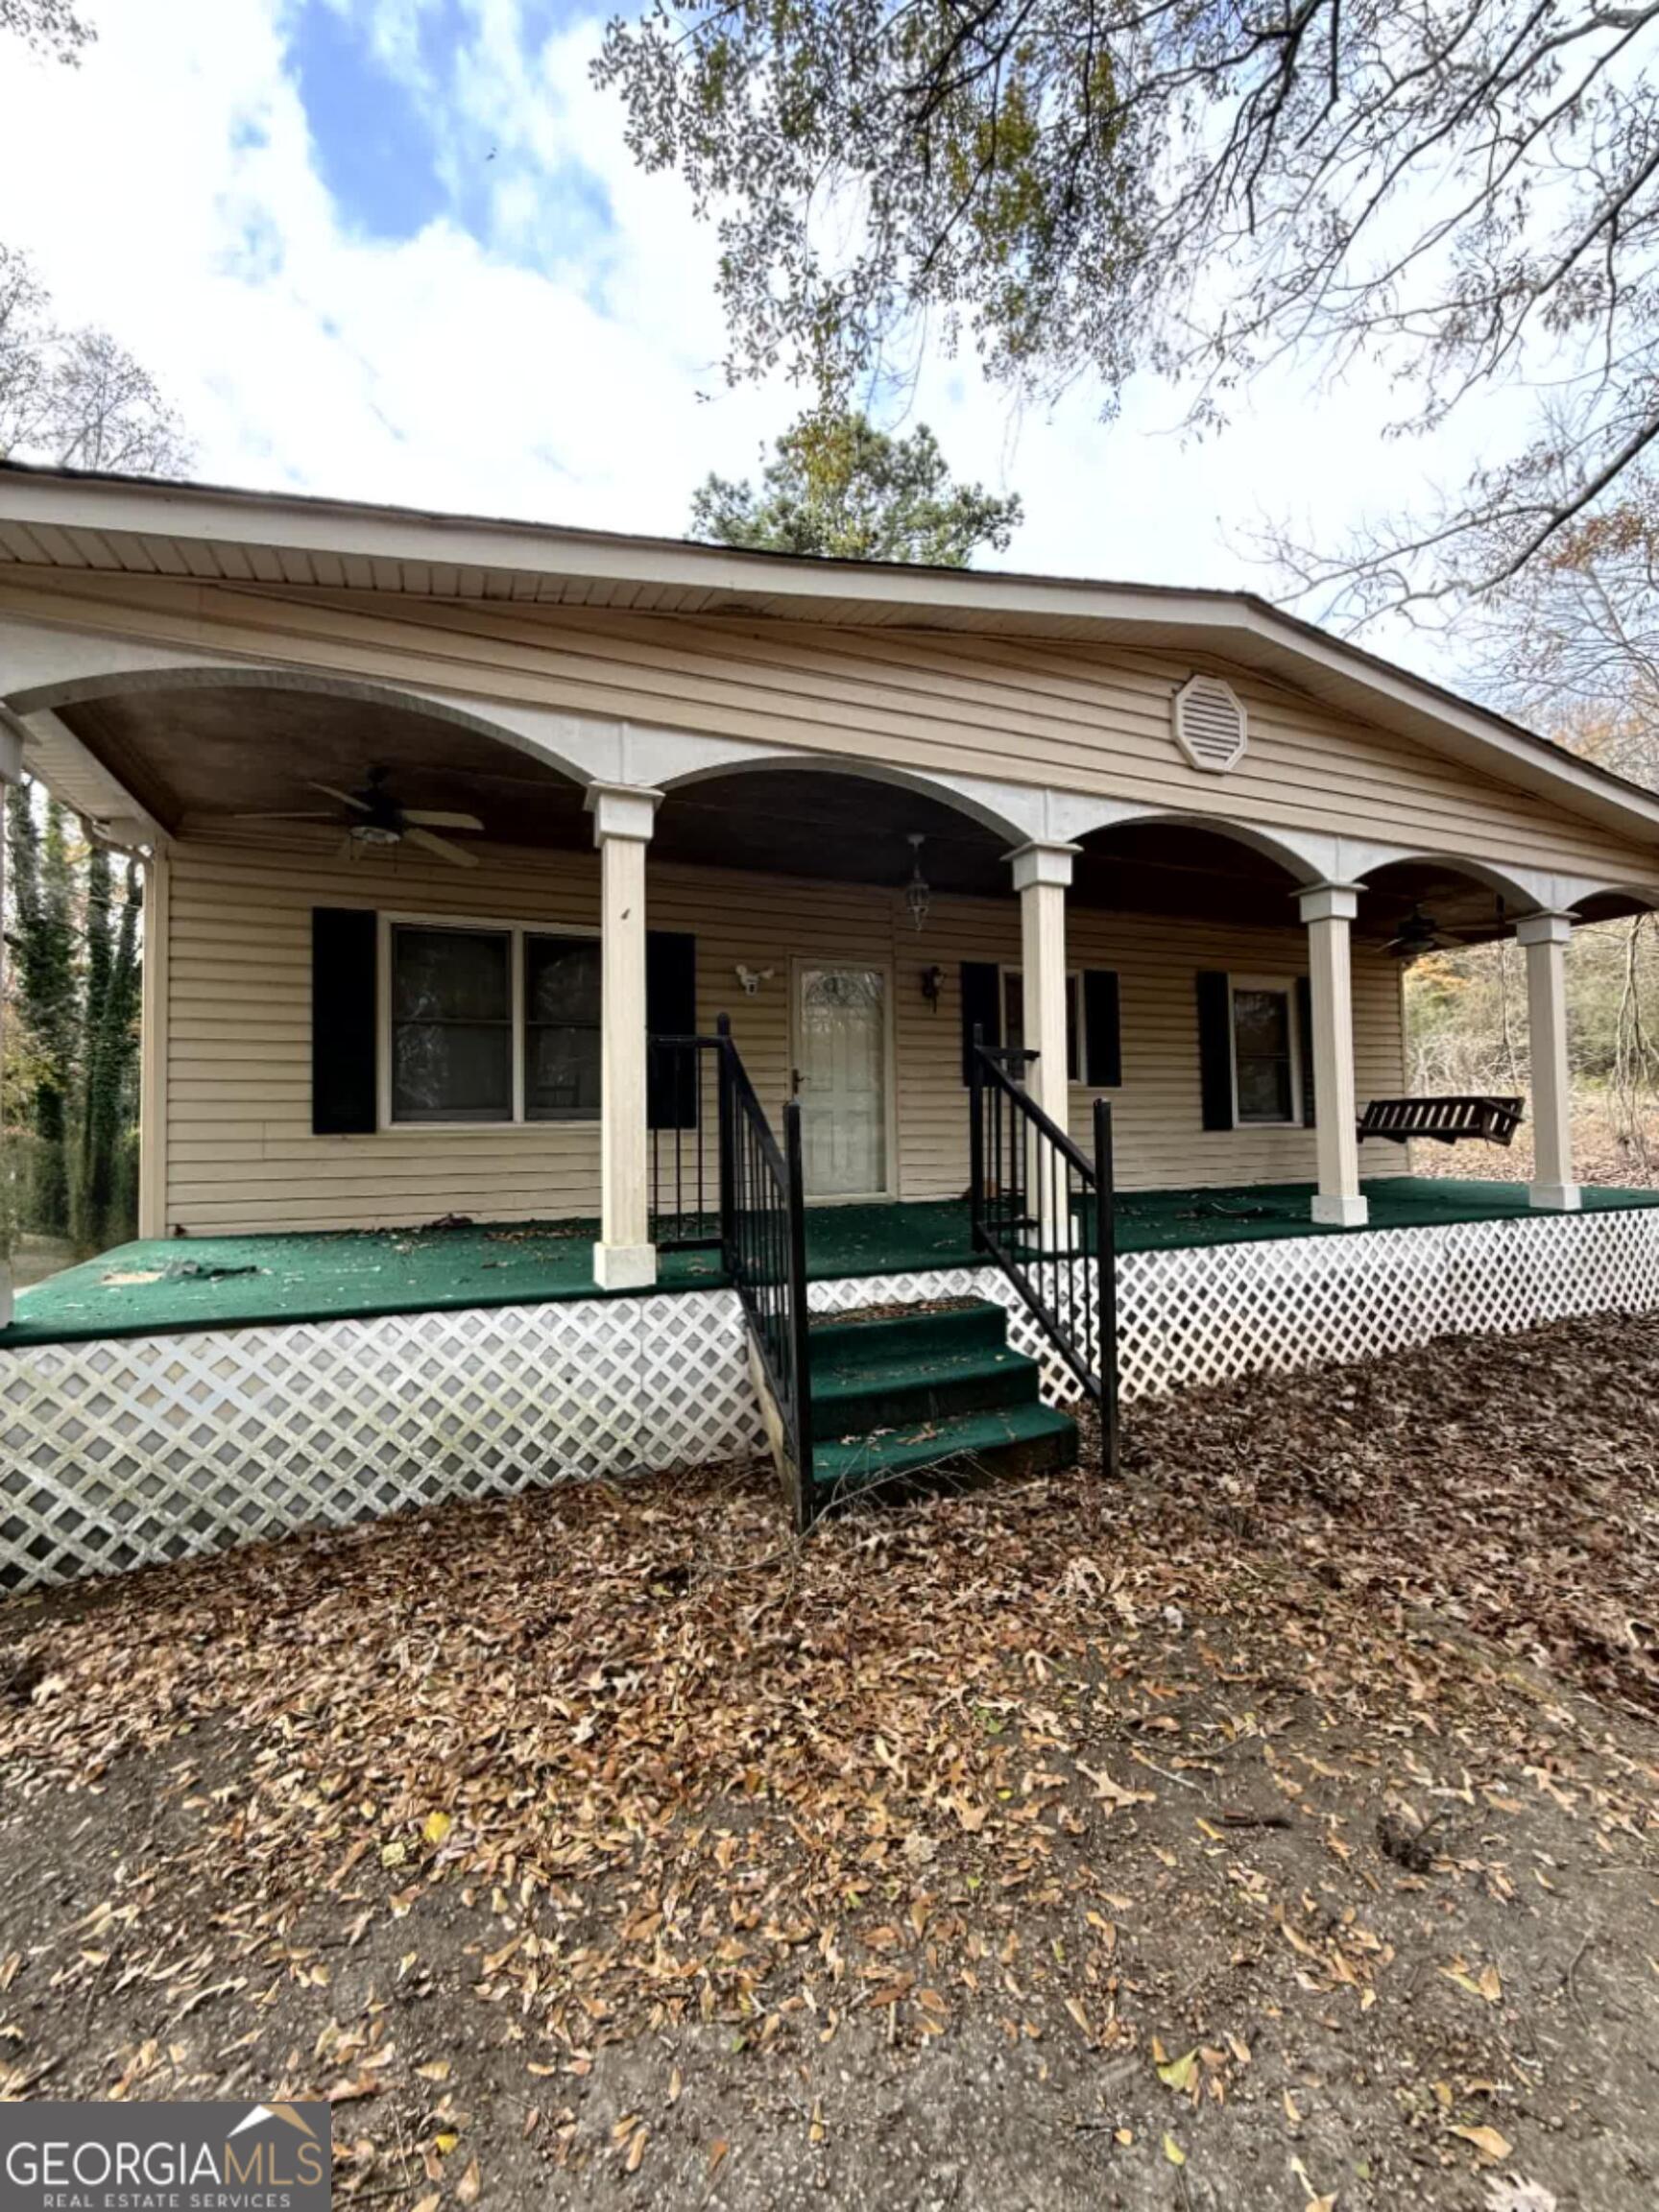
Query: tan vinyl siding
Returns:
{"type": "Point", "coordinates": [1084, 717]}
{"type": "Point", "coordinates": [240, 1153]}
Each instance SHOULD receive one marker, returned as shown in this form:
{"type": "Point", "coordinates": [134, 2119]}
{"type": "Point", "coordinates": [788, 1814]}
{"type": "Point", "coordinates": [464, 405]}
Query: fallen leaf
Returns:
{"type": "Point", "coordinates": [467, 2187]}
{"type": "Point", "coordinates": [1181, 2073]}
{"type": "Point", "coordinates": [1487, 2141]}
{"type": "Point", "coordinates": [1173, 2152]}
{"type": "Point", "coordinates": [1505, 2194]}
{"type": "Point", "coordinates": [436, 1827]}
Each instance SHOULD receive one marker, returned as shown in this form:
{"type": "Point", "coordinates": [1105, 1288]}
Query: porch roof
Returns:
{"type": "Point", "coordinates": [168, 1286]}
{"type": "Point", "coordinates": [87, 524]}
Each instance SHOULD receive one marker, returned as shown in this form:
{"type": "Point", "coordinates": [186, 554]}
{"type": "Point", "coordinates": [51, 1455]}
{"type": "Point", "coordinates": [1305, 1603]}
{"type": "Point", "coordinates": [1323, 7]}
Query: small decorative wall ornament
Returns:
{"type": "Point", "coordinates": [752, 979]}
{"type": "Point", "coordinates": [933, 985]}
{"type": "Point", "coordinates": [918, 892]}
{"type": "Point", "coordinates": [1210, 727]}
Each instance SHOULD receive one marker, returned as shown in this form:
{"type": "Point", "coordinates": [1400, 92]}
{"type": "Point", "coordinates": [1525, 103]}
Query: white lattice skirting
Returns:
{"type": "Point", "coordinates": [128, 1449]}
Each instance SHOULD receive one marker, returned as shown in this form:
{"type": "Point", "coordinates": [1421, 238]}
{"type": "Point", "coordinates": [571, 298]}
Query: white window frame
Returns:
{"type": "Point", "coordinates": [1287, 985]}
{"type": "Point", "coordinates": [1079, 1013]}
{"type": "Point", "coordinates": [516, 932]}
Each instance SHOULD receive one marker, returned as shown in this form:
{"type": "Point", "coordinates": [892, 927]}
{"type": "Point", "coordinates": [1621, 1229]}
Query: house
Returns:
{"type": "Point", "coordinates": [521, 877]}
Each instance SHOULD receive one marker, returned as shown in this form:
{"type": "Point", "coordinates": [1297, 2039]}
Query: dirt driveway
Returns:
{"type": "Point", "coordinates": [1277, 1828]}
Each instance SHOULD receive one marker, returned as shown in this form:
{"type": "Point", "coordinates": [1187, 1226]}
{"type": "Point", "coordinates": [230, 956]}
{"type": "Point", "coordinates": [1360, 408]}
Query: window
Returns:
{"type": "Point", "coordinates": [451, 1025]}
{"type": "Point", "coordinates": [1013, 1018]}
{"type": "Point", "coordinates": [1266, 1081]}
{"type": "Point", "coordinates": [561, 1028]}
{"type": "Point", "coordinates": [492, 1024]}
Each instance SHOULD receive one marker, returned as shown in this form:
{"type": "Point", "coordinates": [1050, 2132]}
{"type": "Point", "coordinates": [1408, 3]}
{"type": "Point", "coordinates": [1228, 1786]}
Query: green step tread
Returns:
{"type": "Point", "coordinates": [909, 1336]}
{"type": "Point", "coordinates": [1033, 1431]}
{"type": "Point", "coordinates": [894, 1392]}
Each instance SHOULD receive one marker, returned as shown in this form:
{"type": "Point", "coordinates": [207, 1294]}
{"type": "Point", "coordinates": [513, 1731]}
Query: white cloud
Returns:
{"type": "Point", "coordinates": [170, 189]}
{"type": "Point", "coordinates": [430, 370]}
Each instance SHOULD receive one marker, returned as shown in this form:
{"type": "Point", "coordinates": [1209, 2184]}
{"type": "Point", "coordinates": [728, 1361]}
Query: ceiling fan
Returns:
{"type": "Point", "coordinates": [373, 817]}
{"type": "Point", "coordinates": [1420, 933]}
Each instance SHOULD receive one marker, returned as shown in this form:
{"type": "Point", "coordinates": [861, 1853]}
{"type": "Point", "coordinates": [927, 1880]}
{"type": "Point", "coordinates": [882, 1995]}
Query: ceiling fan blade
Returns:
{"type": "Point", "coordinates": [346, 798]}
{"type": "Point", "coordinates": [315, 815]}
{"type": "Point", "coordinates": [441, 846]}
{"type": "Point", "coordinates": [427, 818]}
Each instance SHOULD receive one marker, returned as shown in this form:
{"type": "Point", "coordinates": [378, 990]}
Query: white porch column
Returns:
{"type": "Point", "coordinates": [624, 1258]}
{"type": "Point", "coordinates": [10, 777]}
{"type": "Point", "coordinates": [1042, 876]}
{"type": "Point", "coordinates": [1545, 937]}
{"type": "Point", "coordinates": [1329, 910]}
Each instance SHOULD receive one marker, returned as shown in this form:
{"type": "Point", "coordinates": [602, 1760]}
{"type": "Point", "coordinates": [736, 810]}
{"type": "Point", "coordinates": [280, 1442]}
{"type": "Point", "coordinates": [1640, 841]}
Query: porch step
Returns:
{"type": "Point", "coordinates": [921, 1391]}
{"type": "Point", "coordinates": [1014, 1440]}
{"type": "Point", "coordinates": [908, 1387]}
{"type": "Point", "coordinates": [977, 1324]}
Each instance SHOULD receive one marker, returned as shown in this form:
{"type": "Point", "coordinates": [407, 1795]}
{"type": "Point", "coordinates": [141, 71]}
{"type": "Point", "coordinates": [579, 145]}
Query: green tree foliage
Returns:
{"type": "Point", "coordinates": [106, 1096]}
{"type": "Point", "coordinates": [1467, 192]}
{"type": "Point", "coordinates": [43, 958]}
{"type": "Point", "coordinates": [73, 974]}
{"type": "Point", "coordinates": [837, 488]}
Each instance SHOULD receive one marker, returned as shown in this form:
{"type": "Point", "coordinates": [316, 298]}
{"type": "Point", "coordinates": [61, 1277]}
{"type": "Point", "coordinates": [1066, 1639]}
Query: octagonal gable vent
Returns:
{"type": "Point", "coordinates": [1210, 726]}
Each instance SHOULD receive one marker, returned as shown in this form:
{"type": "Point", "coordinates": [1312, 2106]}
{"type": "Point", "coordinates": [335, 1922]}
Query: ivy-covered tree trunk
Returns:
{"type": "Point", "coordinates": [109, 1048]}
{"type": "Point", "coordinates": [42, 947]}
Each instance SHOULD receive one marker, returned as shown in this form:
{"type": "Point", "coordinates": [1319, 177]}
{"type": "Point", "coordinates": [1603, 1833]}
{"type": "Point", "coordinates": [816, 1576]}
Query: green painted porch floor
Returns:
{"type": "Point", "coordinates": [229, 1281]}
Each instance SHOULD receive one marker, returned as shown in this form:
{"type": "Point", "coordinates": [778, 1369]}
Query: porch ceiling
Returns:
{"type": "Point", "coordinates": [201, 752]}
{"type": "Point", "coordinates": [207, 752]}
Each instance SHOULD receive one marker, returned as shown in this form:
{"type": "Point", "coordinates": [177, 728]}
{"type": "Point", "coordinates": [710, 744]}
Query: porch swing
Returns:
{"type": "Point", "coordinates": [1479, 1118]}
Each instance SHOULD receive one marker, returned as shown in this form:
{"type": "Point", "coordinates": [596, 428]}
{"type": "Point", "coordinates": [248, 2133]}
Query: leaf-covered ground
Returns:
{"type": "Point", "coordinates": [1607, 1147]}
{"type": "Point", "coordinates": [1279, 1826]}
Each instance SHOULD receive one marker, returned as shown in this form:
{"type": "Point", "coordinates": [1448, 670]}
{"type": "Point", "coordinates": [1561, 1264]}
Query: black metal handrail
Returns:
{"type": "Point", "coordinates": [1044, 1212]}
{"type": "Point", "coordinates": [764, 1243]}
{"type": "Point", "coordinates": [683, 1078]}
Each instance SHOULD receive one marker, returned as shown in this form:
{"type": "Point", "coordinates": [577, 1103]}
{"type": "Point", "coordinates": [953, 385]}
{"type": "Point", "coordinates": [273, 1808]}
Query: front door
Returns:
{"type": "Point", "coordinates": [841, 1073]}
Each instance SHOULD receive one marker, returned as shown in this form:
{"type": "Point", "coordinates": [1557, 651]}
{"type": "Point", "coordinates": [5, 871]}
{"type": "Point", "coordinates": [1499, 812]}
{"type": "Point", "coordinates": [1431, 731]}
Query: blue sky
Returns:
{"type": "Point", "coordinates": [397, 250]}
{"type": "Point", "coordinates": [376, 151]}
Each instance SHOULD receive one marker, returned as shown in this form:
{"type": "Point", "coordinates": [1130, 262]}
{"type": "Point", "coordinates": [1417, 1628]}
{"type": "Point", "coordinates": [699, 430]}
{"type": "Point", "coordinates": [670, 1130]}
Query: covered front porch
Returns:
{"type": "Point", "coordinates": [175, 1396]}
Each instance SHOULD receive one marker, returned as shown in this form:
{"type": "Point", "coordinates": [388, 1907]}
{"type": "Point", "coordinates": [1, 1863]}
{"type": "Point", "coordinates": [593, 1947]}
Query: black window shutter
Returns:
{"type": "Point", "coordinates": [1216, 1046]}
{"type": "Point", "coordinates": [982, 1008]}
{"type": "Point", "coordinates": [1102, 1036]}
{"type": "Point", "coordinates": [671, 1011]}
{"type": "Point", "coordinates": [345, 1021]}
{"type": "Point", "coordinates": [1305, 1033]}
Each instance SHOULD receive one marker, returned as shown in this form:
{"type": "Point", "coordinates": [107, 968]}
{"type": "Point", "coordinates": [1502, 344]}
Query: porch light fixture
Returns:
{"type": "Point", "coordinates": [918, 894]}
{"type": "Point", "coordinates": [932, 984]}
